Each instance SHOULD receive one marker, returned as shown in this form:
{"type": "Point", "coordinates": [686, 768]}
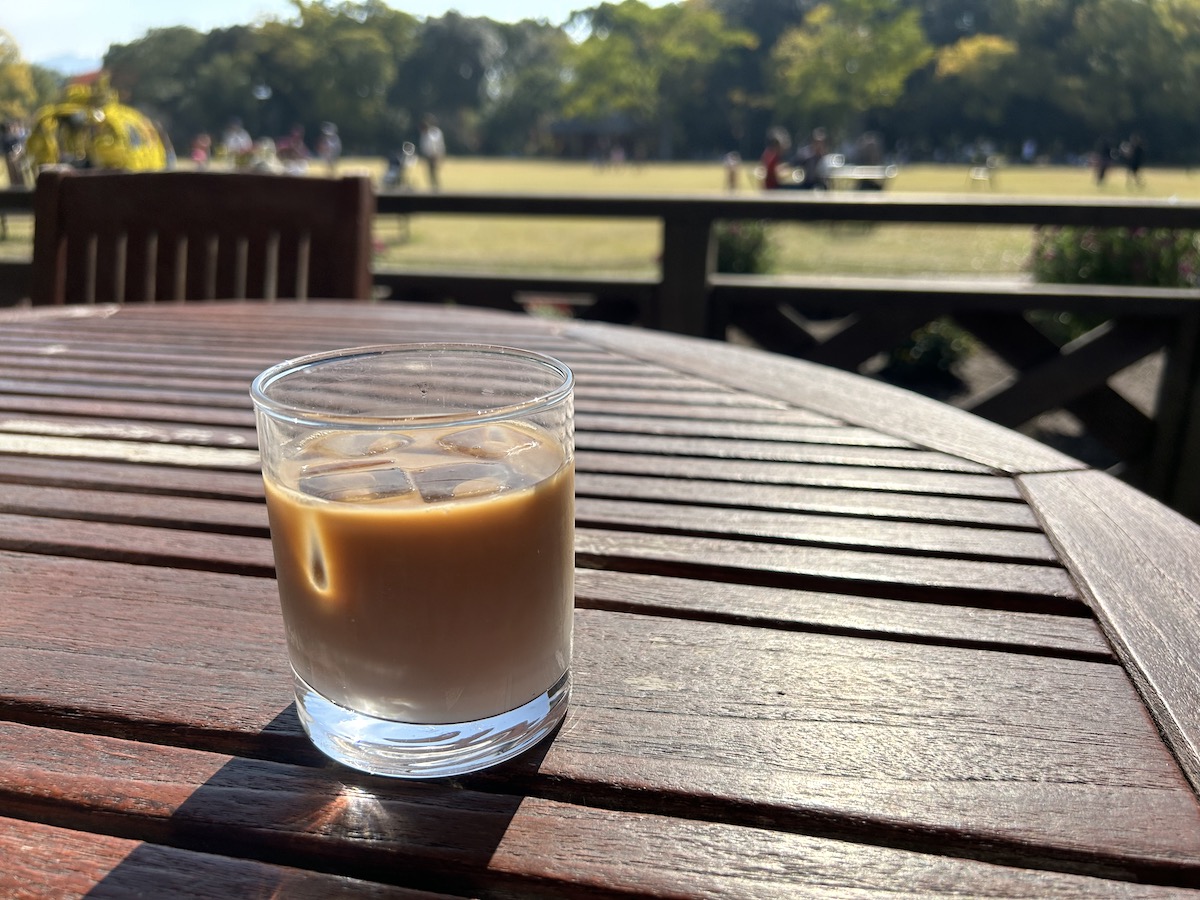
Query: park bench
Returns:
{"type": "Point", "coordinates": [841, 175]}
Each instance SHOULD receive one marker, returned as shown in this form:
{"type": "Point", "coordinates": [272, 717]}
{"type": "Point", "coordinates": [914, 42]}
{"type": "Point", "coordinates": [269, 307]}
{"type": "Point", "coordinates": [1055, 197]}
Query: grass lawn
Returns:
{"type": "Point", "coordinates": [590, 247]}
{"type": "Point", "coordinates": [583, 247]}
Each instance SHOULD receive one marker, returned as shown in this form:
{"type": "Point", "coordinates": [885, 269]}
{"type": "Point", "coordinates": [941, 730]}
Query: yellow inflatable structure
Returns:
{"type": "Point", "coordinates": [88, 128]}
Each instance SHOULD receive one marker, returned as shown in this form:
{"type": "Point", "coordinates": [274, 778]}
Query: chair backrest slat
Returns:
{"type": "Point", "coordinates": [111, 237]}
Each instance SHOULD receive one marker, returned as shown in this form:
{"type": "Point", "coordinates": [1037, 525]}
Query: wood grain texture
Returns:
{"type": "Point", "coordinates": [44, 861]}
{"type": "Point", "coordinates": [872, 571]}
{"type": "Point", "coordinates": [163, 511]}
{"type": "Point", "coordinates": [852, 532]}
{"type": "Point", "coordinates": [1136, 562]}
{"type": "Point", "coordinates": [821, 648]}
{"type": "Point", "coordinates": [830, 498]}
{"type": "Point", "coordinates": [142, 478]}
{"type": "Point", "coordinates": [235, 810]}
{"type": "Point", "coordinates": [887, 495]}
{"type": "Point", "coordinates": [846, 614]}
{"type": "Point", "coordinates": [990, 754]}
{"type": "Point", "coordinates": [236, 517]}
{"type": "Point", "coordinates": [87, 424]}
{"type": "Point", "coordinates": [142, 544]}
{"type": "Point", "coordinates": [814, 474]}
{"type": "Point", "coordinates": [925, 579]}
{"type": "Point", "coordinates": [592, 419]}
{"type": "Point", "coordinates": [773, 451]}
{"type": "Point", "coordinates": [844, 396]}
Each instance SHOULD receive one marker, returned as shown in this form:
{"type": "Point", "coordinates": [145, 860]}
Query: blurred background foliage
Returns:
{"type": "Point", "coordinates": [689, 80]}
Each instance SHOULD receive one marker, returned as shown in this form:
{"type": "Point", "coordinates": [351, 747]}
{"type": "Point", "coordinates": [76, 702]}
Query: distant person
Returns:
{"type": "Point", "coordinates": [1102, 158]}
{"type": "Point", "coordinates": [1133, 153]}
{"type": "Point", "coordinates": [236, 143]}
{"type": "Point", "coordinates": [771, 161]}
{"type": "Point", "coordinates": [264, 158]}
{"type": "Point", "coordinates": [433, 150]}
{"type": "Point", "coordinates": [293, 152]}
{"type": "Point", "coordinates": [400, 166]}
{"type": "Point", "coordinates": [810, 159]}
{"type": "Point", "coordinates": [733, 164]}
{"type": "Point", "coordinates": [201, 150]}
{"type": "Point", "coordinates": [329, 146]}
{"type": "Point", "coordinates": [14, 154]}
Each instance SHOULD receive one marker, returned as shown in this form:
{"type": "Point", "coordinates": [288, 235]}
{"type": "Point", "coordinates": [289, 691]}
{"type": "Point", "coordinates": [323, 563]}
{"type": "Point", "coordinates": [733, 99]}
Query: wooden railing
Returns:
{"type": "Point", "coordinates": [1157, 449]}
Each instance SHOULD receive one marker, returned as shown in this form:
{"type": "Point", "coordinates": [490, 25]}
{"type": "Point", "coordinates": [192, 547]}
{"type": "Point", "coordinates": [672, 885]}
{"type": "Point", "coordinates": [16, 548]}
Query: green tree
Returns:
{"type": "Point", "coordinates": [447, 74]}
{"type": "Point", "coordinates": [979, 70]}
{"type": "Point", "coordinates": [341, 66]}
{"type": "Point", "coordinates": [648, 64]}
{"type": "Point", "coordinates": [18, 90]}
{"type": "Point", "coordinates": [847, 59]}
{"type": "Point", "coordinates": [222, 83]}
{"type": "Point", "coordinates": [156, 73]}
{"type": "Point", "coordinates": [743, 75]}
{"type": "Point", "coordinates": [524, 88]}
{"type": "Point", "coordinates": [947, 22]}
{"type": "Point", "coordinates": [1128, 62]}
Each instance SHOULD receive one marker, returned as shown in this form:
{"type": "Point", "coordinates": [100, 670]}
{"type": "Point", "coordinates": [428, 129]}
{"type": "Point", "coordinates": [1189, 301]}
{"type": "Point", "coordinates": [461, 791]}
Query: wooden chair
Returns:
{"type": "Point", "coordinates": [116, 237]}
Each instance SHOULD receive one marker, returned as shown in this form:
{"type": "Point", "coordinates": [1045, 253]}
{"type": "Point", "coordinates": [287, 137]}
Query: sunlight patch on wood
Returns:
{"type": "Point", "coordinates": [126, 451]}
{"type": "Point", "coordinates": [123, 432]}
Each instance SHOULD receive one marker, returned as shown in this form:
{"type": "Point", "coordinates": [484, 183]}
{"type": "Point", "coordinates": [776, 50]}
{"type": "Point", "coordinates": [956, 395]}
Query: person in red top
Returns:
{"type": "Point", "coordinates": [772, 159]}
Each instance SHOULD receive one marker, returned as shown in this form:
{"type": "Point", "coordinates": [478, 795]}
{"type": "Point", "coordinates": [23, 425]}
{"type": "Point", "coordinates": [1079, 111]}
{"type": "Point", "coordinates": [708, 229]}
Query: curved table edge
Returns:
{"type": "Point", "coordinates": [1135, 562]}
{"type": "Point", "coordinates": [849, 397]}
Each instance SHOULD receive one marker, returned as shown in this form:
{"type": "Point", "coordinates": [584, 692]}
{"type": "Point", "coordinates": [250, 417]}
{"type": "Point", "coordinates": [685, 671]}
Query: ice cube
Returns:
{"type": "Point", "coordinates": [458, 480]}
{"type": "Point", "coordinates": [489, 441]}
{"type": "Point", "coordinates": [355, 481]}
{"type": "Point", "coordinates": [349, 445]}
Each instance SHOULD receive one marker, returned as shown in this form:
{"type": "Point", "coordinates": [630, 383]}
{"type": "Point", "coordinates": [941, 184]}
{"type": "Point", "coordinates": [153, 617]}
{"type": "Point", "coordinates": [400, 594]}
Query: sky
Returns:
{"type": "Point", "coordinates": [53, 31]}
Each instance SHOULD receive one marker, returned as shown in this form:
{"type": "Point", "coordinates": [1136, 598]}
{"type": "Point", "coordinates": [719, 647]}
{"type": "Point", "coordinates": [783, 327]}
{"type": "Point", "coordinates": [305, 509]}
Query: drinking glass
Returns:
{"type": "Point", "coordinates": [422, 507]}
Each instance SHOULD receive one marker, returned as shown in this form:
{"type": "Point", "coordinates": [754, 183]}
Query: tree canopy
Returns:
{"type": "Point", "coordinates": [694, 78]}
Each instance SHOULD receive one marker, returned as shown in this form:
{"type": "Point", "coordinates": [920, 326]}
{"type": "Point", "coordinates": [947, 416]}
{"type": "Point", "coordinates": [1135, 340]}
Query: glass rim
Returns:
{"type": "Point", "coordinates": [302, 415]}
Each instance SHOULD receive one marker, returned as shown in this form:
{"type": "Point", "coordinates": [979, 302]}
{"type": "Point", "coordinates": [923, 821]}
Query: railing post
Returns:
{"type": "Point", "coordinates": [688, 258]}
{"type": "Point", "coordinates": [1173, 475]}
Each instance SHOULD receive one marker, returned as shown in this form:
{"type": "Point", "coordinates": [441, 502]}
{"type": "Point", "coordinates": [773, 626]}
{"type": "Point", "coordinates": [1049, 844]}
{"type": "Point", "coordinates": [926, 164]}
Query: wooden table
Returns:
{"type": "Point", "coordinates": [832, 639]}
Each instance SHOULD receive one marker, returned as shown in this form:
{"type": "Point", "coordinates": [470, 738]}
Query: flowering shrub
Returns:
{"type": "Point", "coordinates": [743, 248]}
{"type": "Point", "coordinates": [1153, 257]}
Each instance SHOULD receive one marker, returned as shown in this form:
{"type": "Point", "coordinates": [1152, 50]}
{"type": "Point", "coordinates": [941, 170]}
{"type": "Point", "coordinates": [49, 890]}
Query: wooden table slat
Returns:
{"type": "Point", "coordinates": [46, 861]}
{"type": "Point", "coordinates": [1005, 585]}
{"type": "Point", "coordinates": [829, 613]}
{"type": "Point", "coordinates": [774, 451]}
{"type": "Point", "coordinates": [472, 841]}
{"type": "Point", "coordinates": [234, 517]}
{"type": "Point", "coordinates": [816, 474]}
{"type": "Point", "coordinates": [1034, 732]}
{"type": "Point", "coordinates": [834, 500]}
{"type": "Point", "coordinates": [1144, 586]}
{"type": "Point", "coordinates": [878, 574]}
{"type": "Point", "coordinates": [826, 530]}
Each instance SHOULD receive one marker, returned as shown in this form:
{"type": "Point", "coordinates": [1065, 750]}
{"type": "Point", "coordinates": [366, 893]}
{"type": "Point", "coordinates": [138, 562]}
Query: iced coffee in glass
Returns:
{"type": "Point", "coordinates": [421, 503]}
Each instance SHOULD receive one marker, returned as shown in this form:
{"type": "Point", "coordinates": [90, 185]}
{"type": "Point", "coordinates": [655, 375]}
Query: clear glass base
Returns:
{"type": "Point", "coordinates": [405, 750]}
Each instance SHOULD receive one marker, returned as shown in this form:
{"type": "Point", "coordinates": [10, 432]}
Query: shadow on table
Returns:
{"type": "Point", "coordinates": [262, 828]}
